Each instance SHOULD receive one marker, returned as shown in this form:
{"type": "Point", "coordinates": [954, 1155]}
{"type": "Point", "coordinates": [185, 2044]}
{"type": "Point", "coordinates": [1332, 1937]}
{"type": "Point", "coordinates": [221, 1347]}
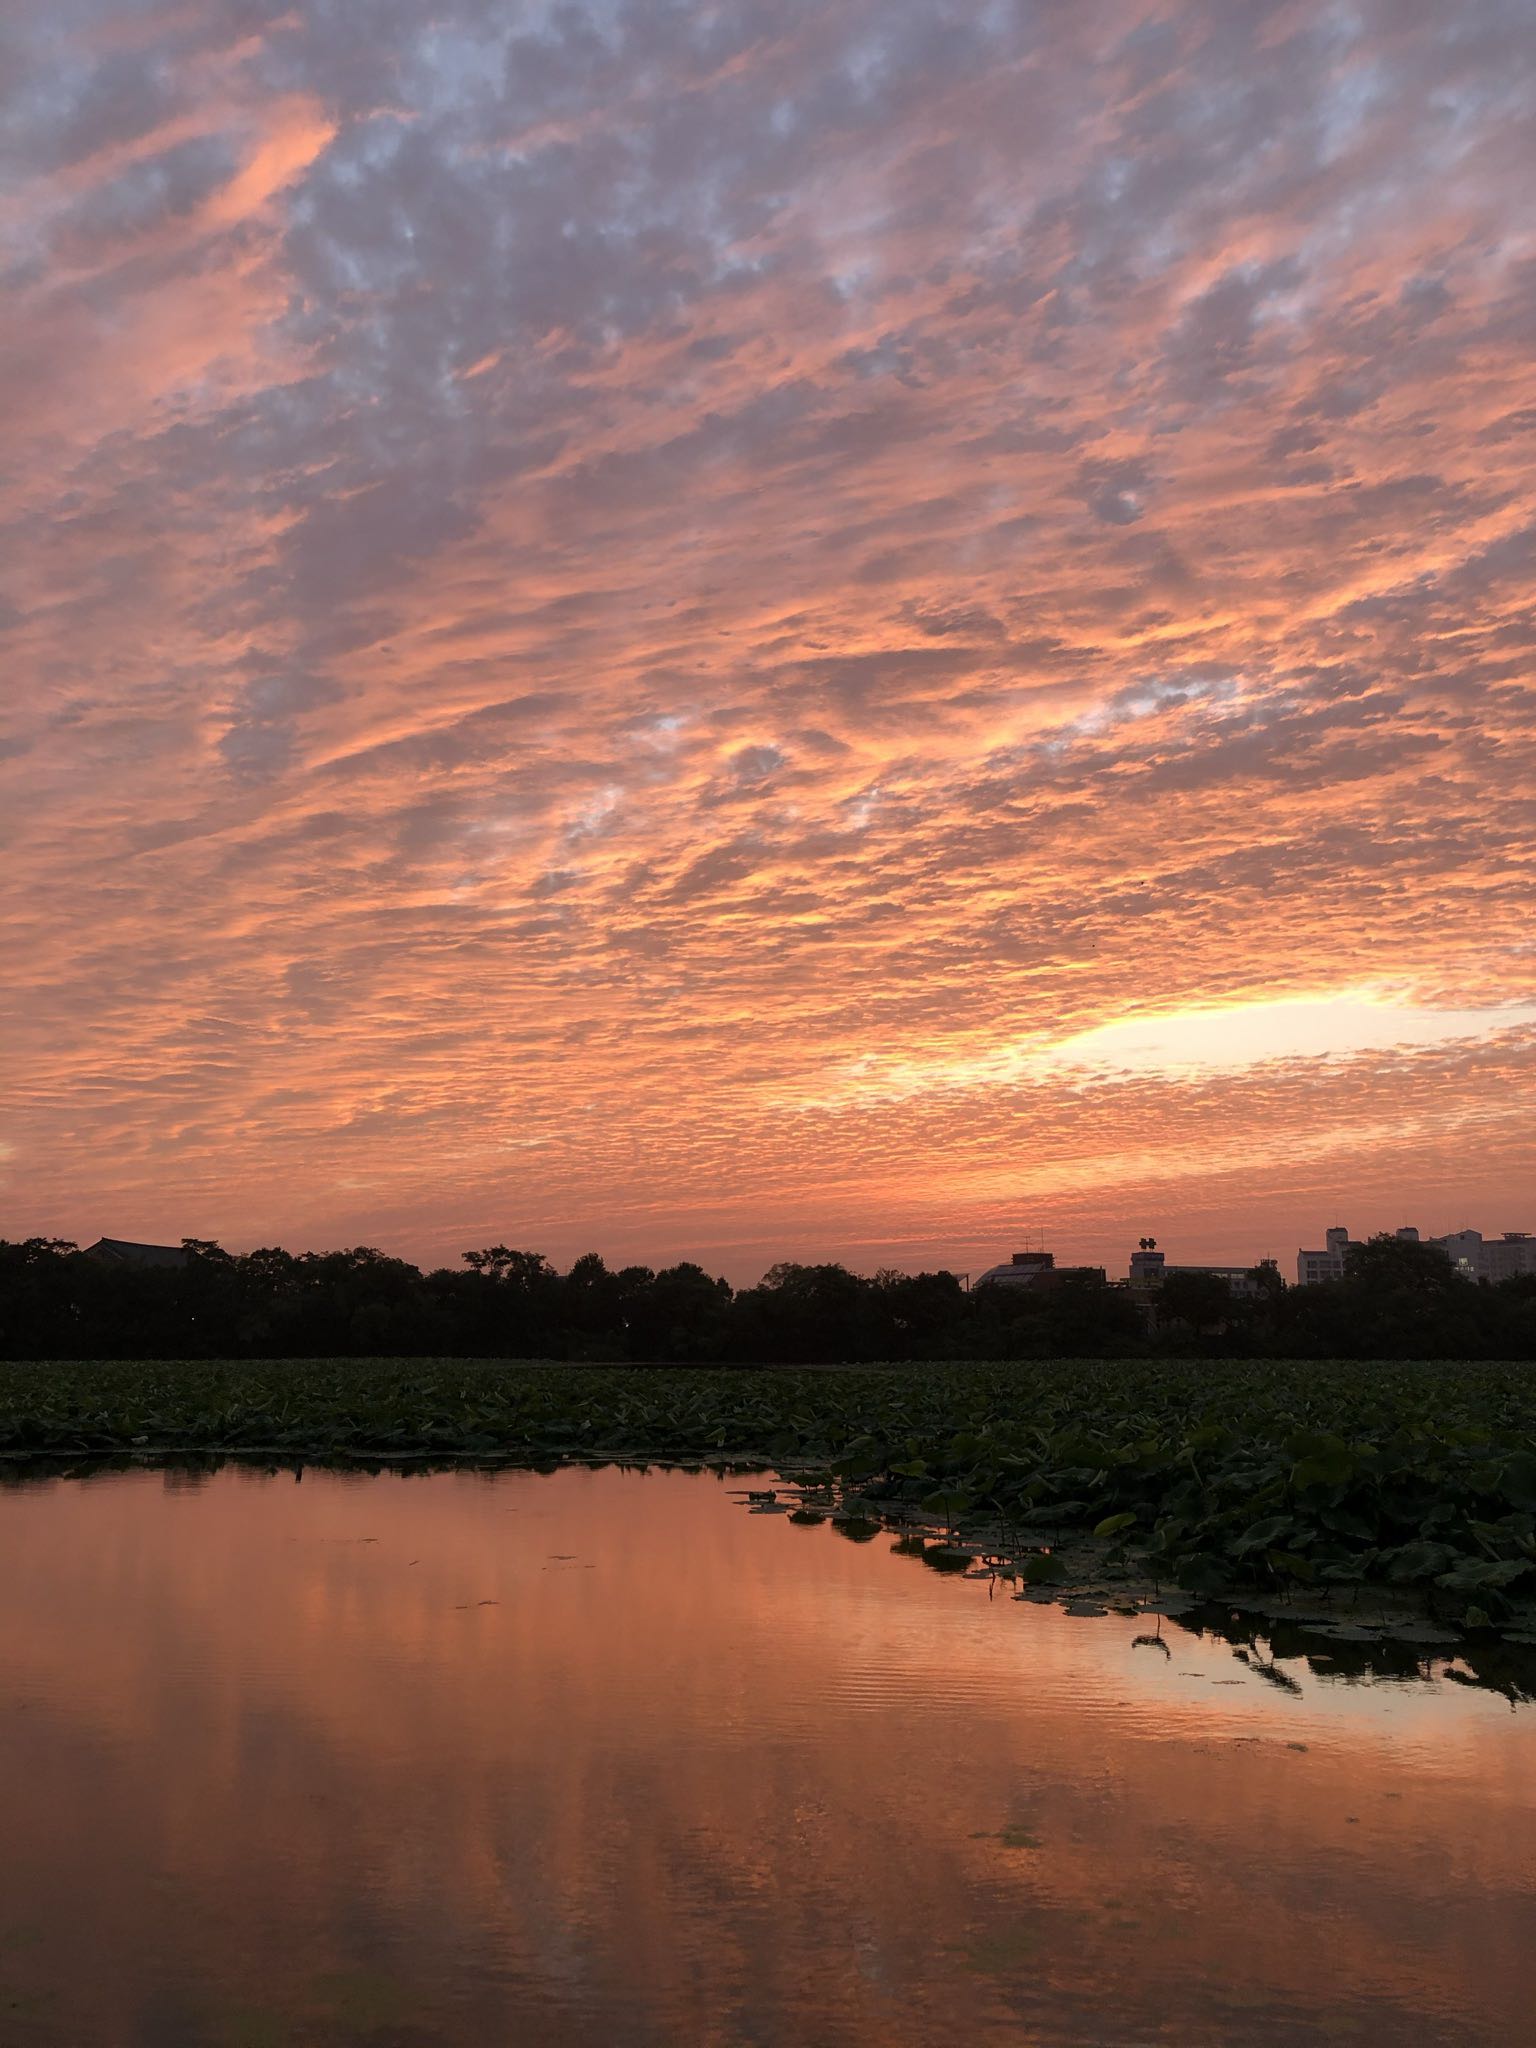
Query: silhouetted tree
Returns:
{"type": "Point", "coordinates": [1201, 1301]}
{"type": "Point", "coordinates": [1397, 1299]}
{"type": "Point", "coordinates": [1388, 1264]}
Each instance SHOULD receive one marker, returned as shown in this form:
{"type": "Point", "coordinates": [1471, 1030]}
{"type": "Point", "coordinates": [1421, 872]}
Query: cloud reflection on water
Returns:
{"type": "Point", "coordinates": [697, 1775]}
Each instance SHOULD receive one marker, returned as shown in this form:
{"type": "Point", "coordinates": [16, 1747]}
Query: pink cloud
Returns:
{"type": "Point", "coordinates": [561, 585]}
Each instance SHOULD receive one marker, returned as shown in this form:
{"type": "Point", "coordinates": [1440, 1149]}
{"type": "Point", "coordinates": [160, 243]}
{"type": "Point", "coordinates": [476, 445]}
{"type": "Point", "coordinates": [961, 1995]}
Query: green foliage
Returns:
{"type": "Point", "coordinates": [942, 1557]}
{"type": "Point", "coordinates": [1116, 1525]}
{"type": "Point", "coordinates": [1043, 1568]}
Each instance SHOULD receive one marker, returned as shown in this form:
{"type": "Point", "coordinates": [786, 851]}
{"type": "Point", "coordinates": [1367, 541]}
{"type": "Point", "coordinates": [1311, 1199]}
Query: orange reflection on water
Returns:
{"type": "Point", "coordinates": [601, 1757]}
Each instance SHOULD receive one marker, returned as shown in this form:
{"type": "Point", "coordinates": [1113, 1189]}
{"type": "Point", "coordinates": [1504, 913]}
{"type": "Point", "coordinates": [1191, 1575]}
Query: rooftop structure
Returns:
{"type": "Point", "coordinates": [1037, 1270]}
{"type": "Point", "coordinates": [117, 1251]}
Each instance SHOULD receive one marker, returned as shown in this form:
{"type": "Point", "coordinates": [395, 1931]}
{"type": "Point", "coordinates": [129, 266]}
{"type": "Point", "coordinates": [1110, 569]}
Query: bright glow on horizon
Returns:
{"type": "Point", "coordinates": [1203, 1041]}
{"type": "Point", "coordinates": [1350, 1024]}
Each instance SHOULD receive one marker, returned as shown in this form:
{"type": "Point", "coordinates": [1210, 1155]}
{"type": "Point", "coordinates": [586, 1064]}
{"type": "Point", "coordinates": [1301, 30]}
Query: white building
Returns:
{"type": "Point", "coordinates": [1507, 1256]}
{"type": "Point", "coordinates": [1312, 1268]}
{"type": "Point", "coordinates": [1474, 1256]}
{"type": "Point", "coordinates": [1490, 1258]}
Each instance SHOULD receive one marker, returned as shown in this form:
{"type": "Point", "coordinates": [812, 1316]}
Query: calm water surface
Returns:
{"type": "Point", "coordinates": [600, 1757]}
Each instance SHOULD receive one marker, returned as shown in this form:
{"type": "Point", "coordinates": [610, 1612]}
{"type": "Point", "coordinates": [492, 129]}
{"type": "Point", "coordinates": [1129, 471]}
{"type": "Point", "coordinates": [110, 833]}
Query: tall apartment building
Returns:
{"type": "Point", "coordinates": [1312, 1268]}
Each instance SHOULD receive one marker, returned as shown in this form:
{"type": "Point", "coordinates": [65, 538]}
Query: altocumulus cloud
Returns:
{"type": "Point", "coordinates": [574, 575]}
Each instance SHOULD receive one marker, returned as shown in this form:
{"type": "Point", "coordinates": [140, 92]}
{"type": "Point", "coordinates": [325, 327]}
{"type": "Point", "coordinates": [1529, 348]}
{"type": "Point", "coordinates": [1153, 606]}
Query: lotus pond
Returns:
{"type": "Point", "coordinates": [1289, 1481]}
{"type": "Point", "coordinates": [606, 1755]}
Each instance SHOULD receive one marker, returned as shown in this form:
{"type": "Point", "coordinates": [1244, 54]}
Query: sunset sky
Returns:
{"type": "Point", "coordinates": [735, 631]}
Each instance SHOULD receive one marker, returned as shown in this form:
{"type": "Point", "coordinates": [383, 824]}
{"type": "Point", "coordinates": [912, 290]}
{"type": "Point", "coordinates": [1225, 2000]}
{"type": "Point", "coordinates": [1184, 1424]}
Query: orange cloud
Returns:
{"type": "Point", "coordinates": [561, 606]}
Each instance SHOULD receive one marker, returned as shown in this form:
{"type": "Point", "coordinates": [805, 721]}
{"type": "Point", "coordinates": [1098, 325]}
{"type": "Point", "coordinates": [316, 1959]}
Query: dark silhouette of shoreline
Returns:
{"type": "Point", "coordinates": [1395, 1300]}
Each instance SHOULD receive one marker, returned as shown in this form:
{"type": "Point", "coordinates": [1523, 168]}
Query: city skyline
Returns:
{"type": "Point", "coordinates": [765, 632]}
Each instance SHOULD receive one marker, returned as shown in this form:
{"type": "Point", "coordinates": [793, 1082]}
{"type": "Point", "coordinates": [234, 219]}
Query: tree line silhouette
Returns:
{"type": "Point", "coordinates": [1397, 1300]}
